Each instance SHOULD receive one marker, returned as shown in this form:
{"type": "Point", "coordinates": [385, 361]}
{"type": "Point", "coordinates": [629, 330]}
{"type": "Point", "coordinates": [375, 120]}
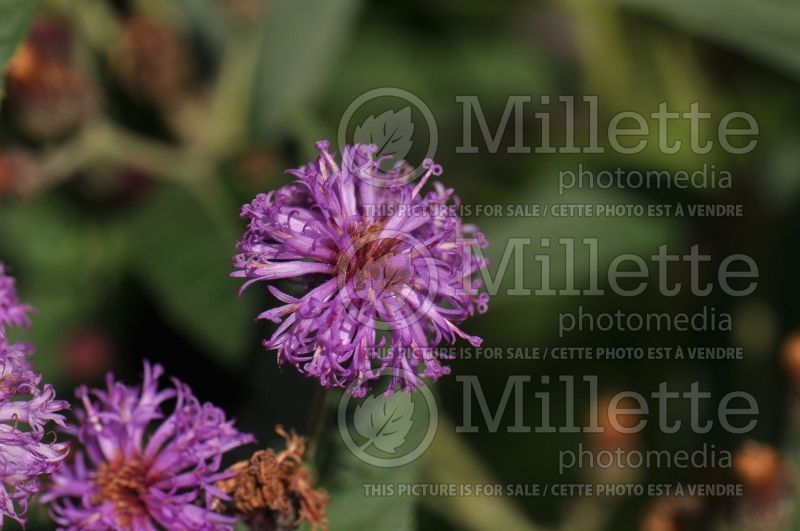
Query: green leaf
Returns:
{"type": "Point", "coordinates": [451, 460]}
{"type": "Point", "coordinates": [183, 257]}
{"type": "Point", "coordinates": [15, 19]}
{"type": "Point", "coordinates": [766, 29]}
{"type": "Point", "coordinates": [347, 490]}
{"type": "Point", "coordinates": [300, 41]}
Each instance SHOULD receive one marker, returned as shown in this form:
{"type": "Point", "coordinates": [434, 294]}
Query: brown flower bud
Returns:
{"type": "Point", "coordinates": [151, 61]}
{"type": "Point", "coordinates": [47, 96]}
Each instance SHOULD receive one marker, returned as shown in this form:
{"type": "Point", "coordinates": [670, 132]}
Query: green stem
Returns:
{"type": "Point", "coordinates": [316, 419]}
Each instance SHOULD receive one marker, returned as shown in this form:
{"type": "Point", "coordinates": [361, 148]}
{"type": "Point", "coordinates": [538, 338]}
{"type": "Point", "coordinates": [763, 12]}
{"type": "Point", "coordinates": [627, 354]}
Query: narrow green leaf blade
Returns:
{"type": "Point", "coordinates": [300, 41]}
{"type": "Point", "coordinates": [764, 29]}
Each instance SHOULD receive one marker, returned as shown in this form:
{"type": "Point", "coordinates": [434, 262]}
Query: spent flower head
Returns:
{"type": "Point", "coordinates": [27, 449]}
{"type": "Point", "coordinates": [388, 270]}
{"type": "Point", "coordinates": [135, 468]}
{"type": "Point", "coordinates": [274, 491]}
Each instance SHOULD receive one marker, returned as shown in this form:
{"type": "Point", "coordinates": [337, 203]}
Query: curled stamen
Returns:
{"type": "Point", "coordinates": [432, 169]}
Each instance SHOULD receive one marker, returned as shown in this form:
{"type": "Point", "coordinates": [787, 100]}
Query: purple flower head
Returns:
{"type": "Point", "coordinates": [388, 270]}
{"type": "Point", "coordinates": [136, 468]}
{"type": "Point", "coordinates": [27, 449]}
{"type": "Point", "coordinates": [12, 312]}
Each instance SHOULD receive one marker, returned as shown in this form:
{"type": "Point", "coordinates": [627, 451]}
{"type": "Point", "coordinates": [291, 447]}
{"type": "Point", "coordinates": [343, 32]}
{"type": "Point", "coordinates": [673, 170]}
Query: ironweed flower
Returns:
{"type": "Point", "coordinates": [26, 408]}
{"type": "Point", "coordinates": [136, 469]}
{"type": "Point", "coordinates": [12, 311]}
{"type": "Point", "coordinates": [388, 270]}
{"type": "Point", "coordinates": [274, 492]}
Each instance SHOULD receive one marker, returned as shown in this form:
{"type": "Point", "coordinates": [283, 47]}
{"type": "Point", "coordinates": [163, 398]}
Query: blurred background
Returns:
{"type": "Point", "coordinates": [132, 130]}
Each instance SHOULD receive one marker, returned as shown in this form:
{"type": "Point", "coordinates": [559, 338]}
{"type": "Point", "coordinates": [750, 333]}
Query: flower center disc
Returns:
{"type": "Point", "coordinates": [122, 482]}
{"type": "Point", "coordinates": [369, 254]}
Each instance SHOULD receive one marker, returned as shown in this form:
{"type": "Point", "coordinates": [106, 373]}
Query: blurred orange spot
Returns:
{"type": "Point", "coordinates": [758, 466]}
{"type": "Point", "coordinates": [24, 64]}
{"type": "Point", "coordinates": [790, 354]}
{"type": "Point", "coordinates": [615, 421]}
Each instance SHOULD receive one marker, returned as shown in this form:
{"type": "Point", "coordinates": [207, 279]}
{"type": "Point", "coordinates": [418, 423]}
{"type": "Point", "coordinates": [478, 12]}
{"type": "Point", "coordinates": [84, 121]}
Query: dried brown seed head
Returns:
{"type": "Point", "coordinates": [273, 491]}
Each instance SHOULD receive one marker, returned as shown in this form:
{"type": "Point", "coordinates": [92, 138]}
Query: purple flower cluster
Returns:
{"type": "Point", "coordinates": [388, 271]}
{"type": "Point", "coordinates": [26, 407]}
{"type": "Point", "coordinates": [139, 470]}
